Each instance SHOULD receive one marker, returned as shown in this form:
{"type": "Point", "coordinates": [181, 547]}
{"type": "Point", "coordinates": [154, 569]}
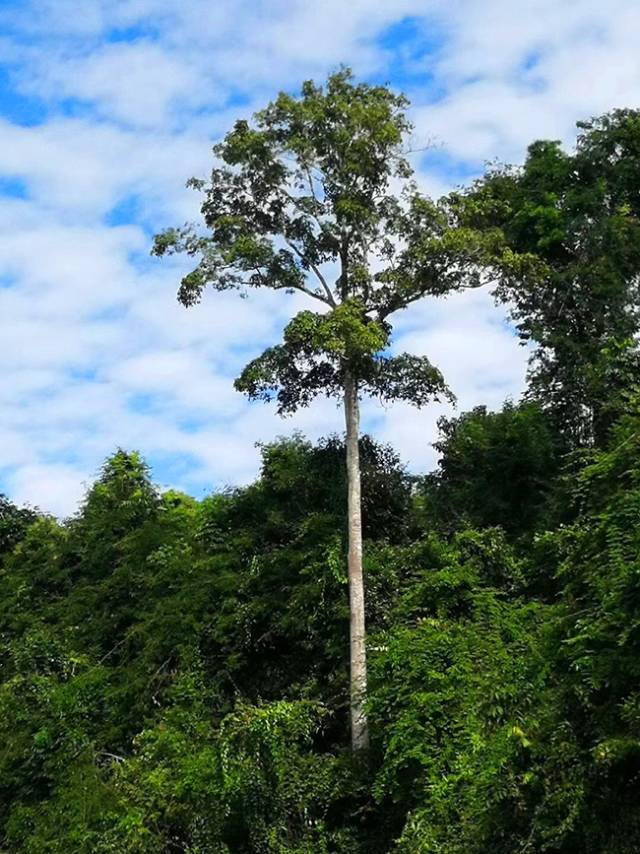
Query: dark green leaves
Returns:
{"type": "Point", "coordinates": [317, 350]}
{"type": "Point", "coordinates": [14, 522]}
{"type": "Point", "coordinates": [579, 216]}
{"type": "Point", "coordinates": [405, 377]}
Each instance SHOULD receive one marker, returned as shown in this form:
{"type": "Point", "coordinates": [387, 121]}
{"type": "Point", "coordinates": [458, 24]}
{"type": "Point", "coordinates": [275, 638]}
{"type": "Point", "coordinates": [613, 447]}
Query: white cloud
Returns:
{"type": "Point", "coordinates": [52, 487]}
{"type": "Point", "coordinates": [468, 338]}
{"type": "Point", "coordinates": [77, 169]}
{"type": "Point", "coordinates": [96, 351]}
{"type": "Point", "coordinates": [514, 72]}
{"type": "Point", "coordinates": [136, 83]}
{"type": "Point", "coordinates": [194, 54]}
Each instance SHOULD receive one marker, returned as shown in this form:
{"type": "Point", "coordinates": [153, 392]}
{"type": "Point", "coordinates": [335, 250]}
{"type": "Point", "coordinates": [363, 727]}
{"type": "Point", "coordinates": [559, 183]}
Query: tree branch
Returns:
{"type": "Point", "coordinates": [402, 303]}
{"type": "Point", "coordinates": [328, 299]}
{"type": "Point", "coordinates": [297, 206]}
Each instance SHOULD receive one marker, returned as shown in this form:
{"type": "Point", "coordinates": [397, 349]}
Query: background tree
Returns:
{"type": "Point", "coordinates": [316, 197]}
{"type": "Point", "coordinates": [14, 522]}
{"type": "Point", "coordinates": [579, 214]}
{"type": "Point", "coordinates": [495, 468]}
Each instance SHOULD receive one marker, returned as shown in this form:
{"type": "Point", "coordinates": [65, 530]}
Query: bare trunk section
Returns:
{"type": "Point", "coordinates": [358, 656]}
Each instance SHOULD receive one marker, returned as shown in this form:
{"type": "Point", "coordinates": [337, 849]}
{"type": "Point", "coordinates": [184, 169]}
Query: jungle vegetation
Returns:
{"type": "Point", "coordinates": [175, 673]}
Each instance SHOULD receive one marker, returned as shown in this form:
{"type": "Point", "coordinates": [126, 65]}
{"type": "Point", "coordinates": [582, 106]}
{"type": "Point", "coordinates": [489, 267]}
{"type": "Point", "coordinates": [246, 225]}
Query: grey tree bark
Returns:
{"type": "Point", "coordinates": [358, 651]}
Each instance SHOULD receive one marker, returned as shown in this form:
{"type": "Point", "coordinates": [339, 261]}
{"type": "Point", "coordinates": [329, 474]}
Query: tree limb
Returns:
{"type": "Point", "coordinates": [329, 300]}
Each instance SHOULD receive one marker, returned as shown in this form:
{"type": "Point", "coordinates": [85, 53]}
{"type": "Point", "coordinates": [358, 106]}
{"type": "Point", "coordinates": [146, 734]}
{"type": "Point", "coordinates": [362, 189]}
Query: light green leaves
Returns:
{"type": "Point", "coordinates": [319, 348]}
{"type": "Point", "coordinates": [345, 332]}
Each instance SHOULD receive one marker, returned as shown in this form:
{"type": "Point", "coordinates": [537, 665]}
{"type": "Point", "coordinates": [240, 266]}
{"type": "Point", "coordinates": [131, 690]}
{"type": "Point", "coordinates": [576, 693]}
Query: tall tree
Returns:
{"type": "Point", "coordinates": [316, 196]}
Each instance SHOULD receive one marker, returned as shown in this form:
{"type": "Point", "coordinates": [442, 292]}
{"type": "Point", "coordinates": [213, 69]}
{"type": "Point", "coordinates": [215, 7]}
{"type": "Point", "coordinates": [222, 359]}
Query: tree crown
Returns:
{"type": "Point", "coordinates": [317, 195]}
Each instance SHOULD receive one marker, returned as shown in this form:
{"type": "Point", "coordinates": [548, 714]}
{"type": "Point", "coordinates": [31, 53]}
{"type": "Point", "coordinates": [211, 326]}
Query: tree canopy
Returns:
{"type": "Point", "coordinates": [317, 196]}
{"type": "Point", "coordinates": [579, 214]}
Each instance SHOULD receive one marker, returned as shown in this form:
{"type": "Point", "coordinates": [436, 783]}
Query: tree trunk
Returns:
{"type": "Point", "coordinates": [358, 651]}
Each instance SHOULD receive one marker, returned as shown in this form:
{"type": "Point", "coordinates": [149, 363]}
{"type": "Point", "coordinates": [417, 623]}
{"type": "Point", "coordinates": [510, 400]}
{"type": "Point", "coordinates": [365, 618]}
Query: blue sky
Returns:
{"type": "Point", "coordinates": [108, 106]}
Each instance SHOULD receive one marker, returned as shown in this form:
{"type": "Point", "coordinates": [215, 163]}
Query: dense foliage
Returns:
{"type": "Point", "coordinates": [579, 214]}
{"type": "Point", "coordinates": [174, 677]}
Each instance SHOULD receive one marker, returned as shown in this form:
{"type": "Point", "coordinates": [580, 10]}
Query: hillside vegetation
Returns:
{"type": "Point", "coordinates": [174, 674]}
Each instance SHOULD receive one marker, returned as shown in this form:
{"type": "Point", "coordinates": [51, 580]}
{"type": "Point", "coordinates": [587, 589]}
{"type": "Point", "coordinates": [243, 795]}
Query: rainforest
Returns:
{"type": "Point", "coordinates": [175, 672]}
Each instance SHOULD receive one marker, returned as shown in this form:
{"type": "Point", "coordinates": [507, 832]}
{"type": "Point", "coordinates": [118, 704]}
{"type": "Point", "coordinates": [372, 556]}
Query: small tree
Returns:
{"type": "Point", "coordinates": [317, 196]}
